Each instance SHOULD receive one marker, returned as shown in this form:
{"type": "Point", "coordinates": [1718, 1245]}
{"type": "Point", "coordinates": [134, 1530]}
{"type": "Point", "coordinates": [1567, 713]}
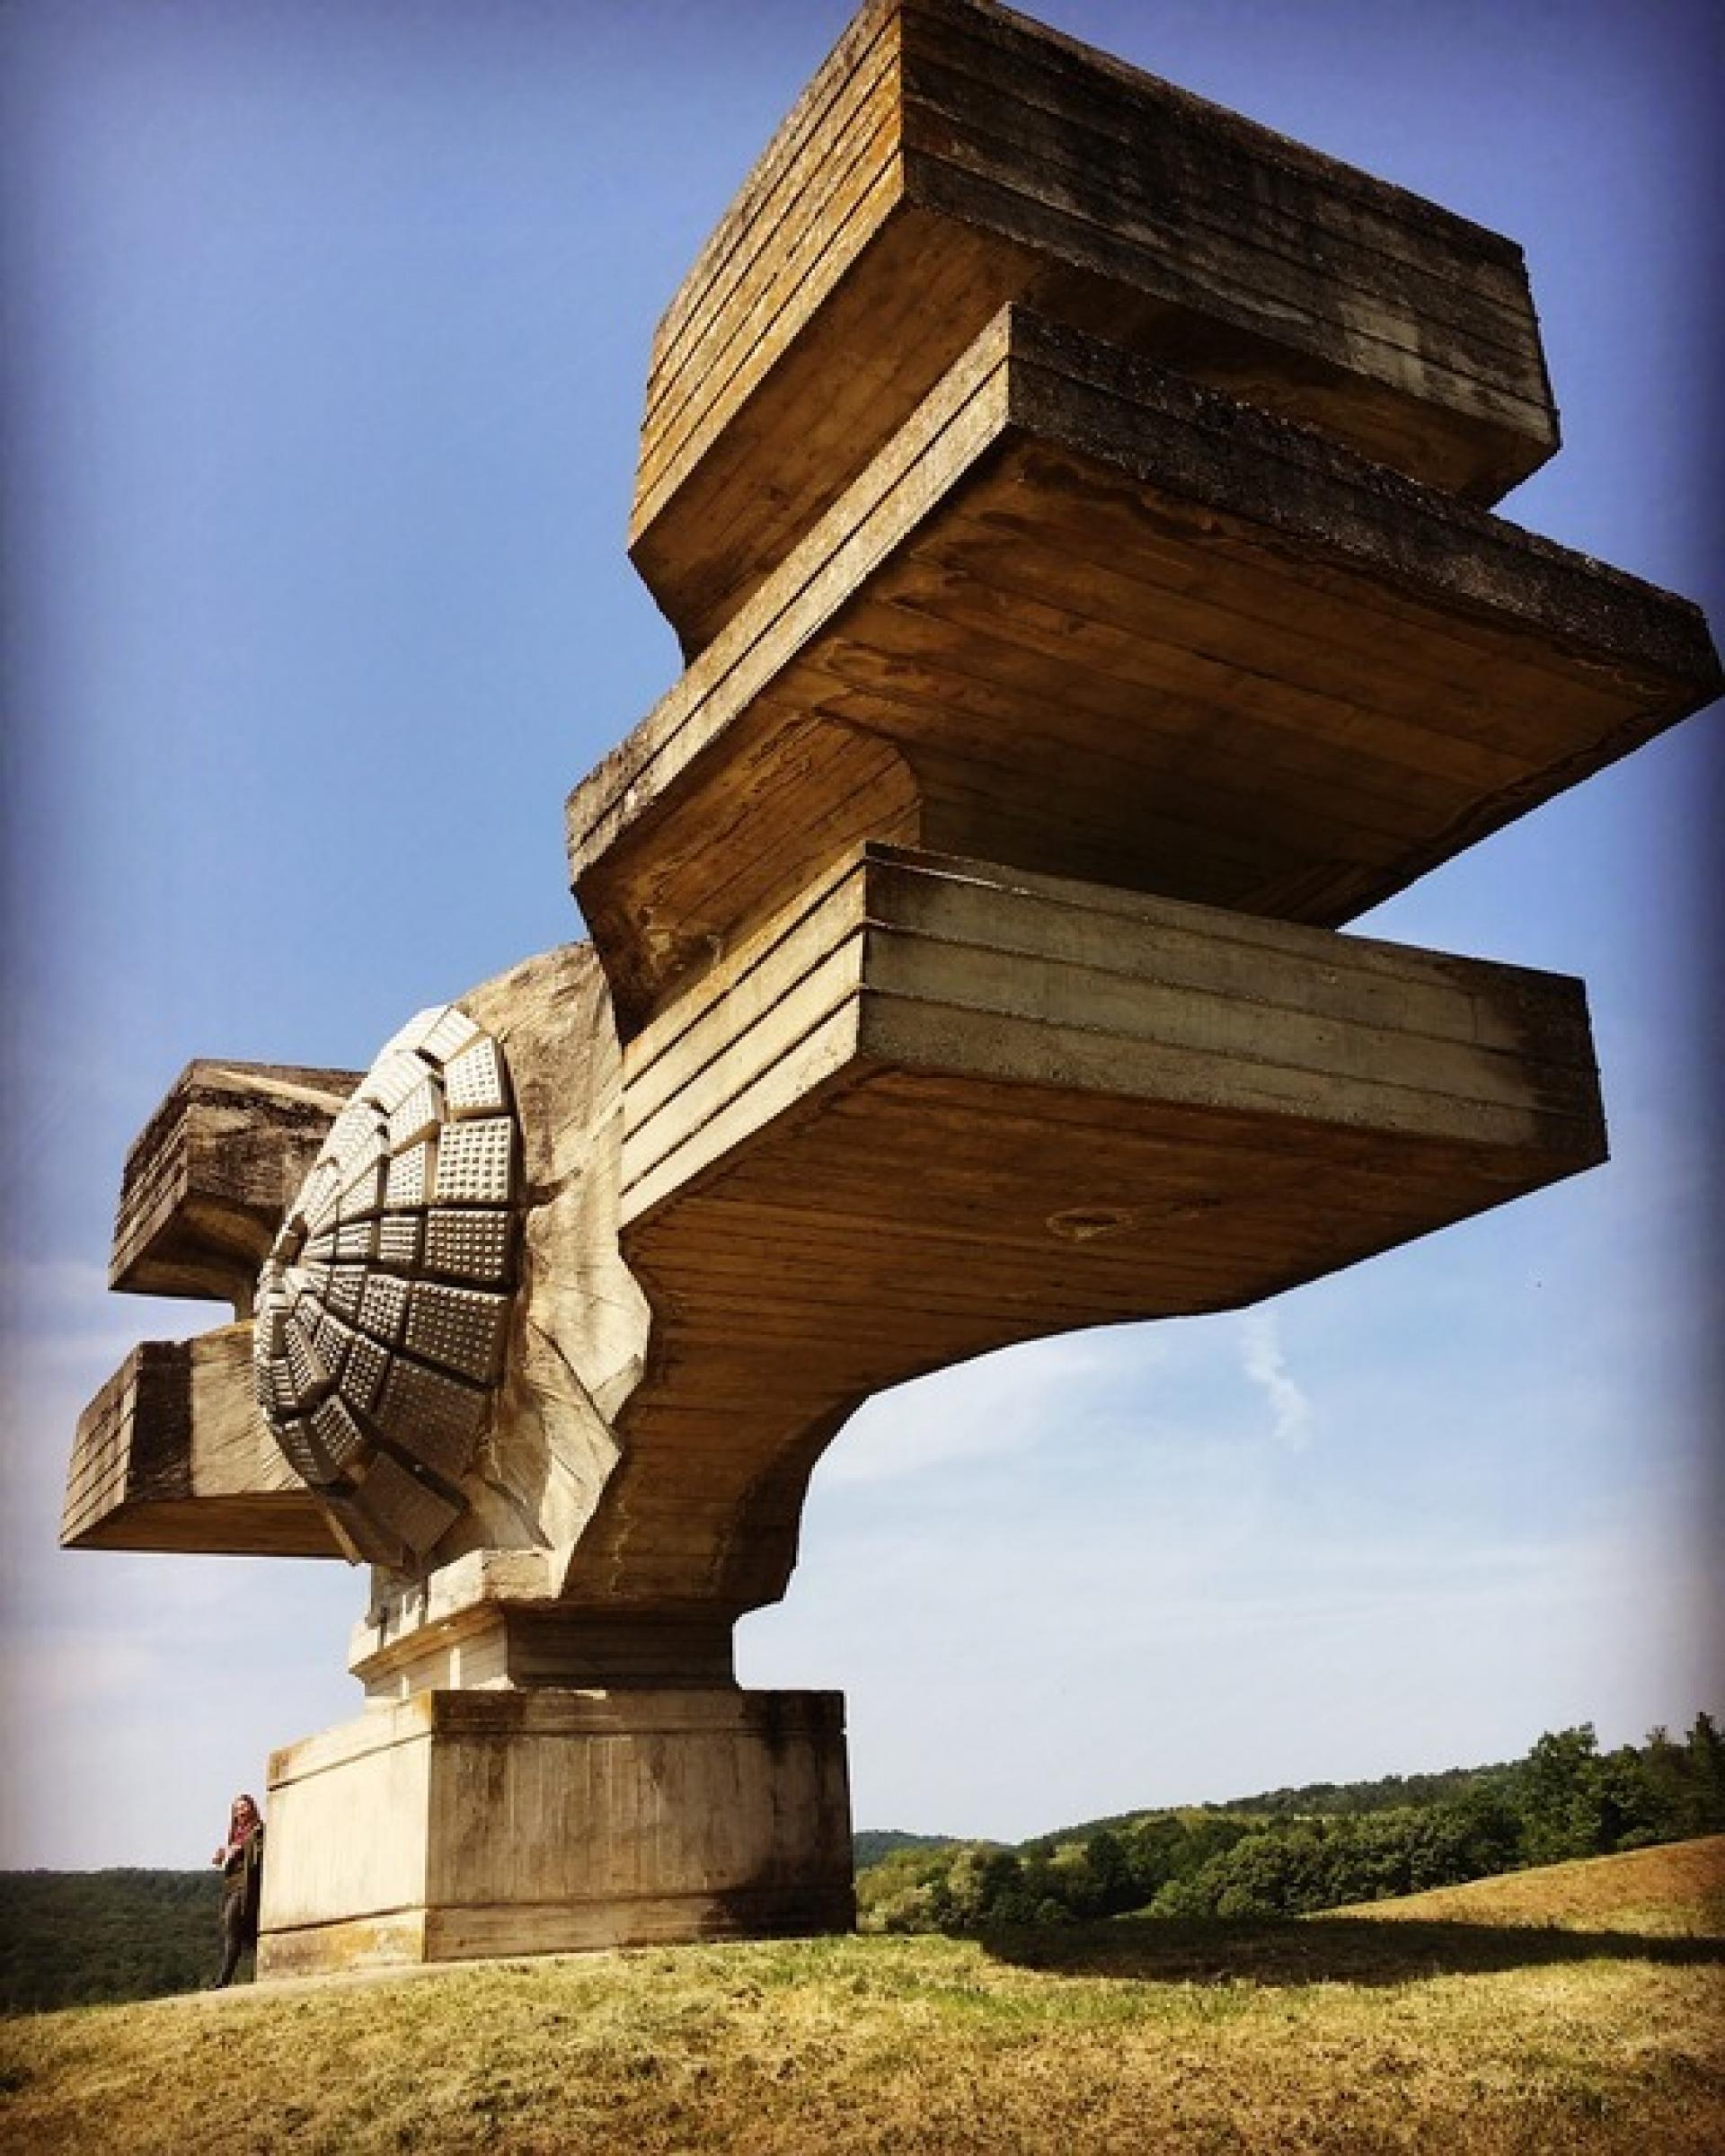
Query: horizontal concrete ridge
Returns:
{"type": "Point", "coordinates": [938, 1106]}
{"type": "Point", "coordinates": [949, 156]}
{"type": "Point", "coordinates": [497, 1646]}
{"type": "Point", "coordinates": [1087, 618]}
{"type": "Point", "coordinates": [171, 1455]}
{"type": "Point", "coordinates": [208, 1176]}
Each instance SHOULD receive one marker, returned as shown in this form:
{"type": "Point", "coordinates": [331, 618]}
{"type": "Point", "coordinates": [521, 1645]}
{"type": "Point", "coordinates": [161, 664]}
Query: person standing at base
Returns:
{"type": "Point", "coordinates": [241, 1857]}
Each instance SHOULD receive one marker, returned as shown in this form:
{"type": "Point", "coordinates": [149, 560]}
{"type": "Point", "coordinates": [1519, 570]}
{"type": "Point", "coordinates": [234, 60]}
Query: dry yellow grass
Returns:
{"type": "Point", "coordinates": [1576, 2011]}
{"type": "Point", "coordinates": [1679, 1889]}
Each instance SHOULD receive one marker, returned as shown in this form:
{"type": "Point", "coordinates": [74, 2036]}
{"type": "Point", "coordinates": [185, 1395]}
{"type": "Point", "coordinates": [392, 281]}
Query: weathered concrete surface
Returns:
{"type": "Point", "coordinates": [939, 1108]}
{"type": "Point", "coordinates": [462, 1823]}
{"type": "Point", "coordinates": [931, 1108]}
{"type": "Point", "coordinates": [950, 157]}
{"type": "Point", "coordinates": [206, 1181]}
{"type": "Point", "coordinates": [1082, 617]}
{"type": "Point", "coordinates": [173, 1454]}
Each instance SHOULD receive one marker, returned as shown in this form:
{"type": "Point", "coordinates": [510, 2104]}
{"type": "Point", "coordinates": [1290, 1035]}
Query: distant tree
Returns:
{"type": "Point", "coordinates": [1558, 1796]}
{"type": "Point", "coordinates": [1706, 1750]}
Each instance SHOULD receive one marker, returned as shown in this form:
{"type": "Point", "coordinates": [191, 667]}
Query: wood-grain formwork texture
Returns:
{"type": "Point", "coordinates": [1083, 616]}
{"type": "Point", "coordinates": [950, 156]}
{"type": "Point", "coordinates": [936, 1107]}
{"type": "Point", "coordinates": [208, 1176]}
{"type": "Point", "coordinates": [173, 1454]}
{"type": "Point", "coordinates": [461, 1823]}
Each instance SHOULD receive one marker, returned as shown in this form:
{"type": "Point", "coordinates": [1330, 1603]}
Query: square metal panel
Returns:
{"type": "Point", "coordinates": [320, 1196]}
{"type": "Point", "coordinates": [433, 1417]}
{"type": "Point", "coordinates": [436, 1033]}
{"type": "Point", "coordinates": [476, 1163]}
{"type": "Point", "coordinates": [334, 1336]}
{"type": "Point", "coordinates": [364, 1367]}
{"type": "Point", "coordinates": [472, 1242]}
{"type": "Point", "coordinates": [383, 1307]}
{"type": "Point", "coordinates": [392, 1081]}
{"type": "Point", "coordinates": [460, 1329]}
{"type": "Point", "coordinates": [355, 1133]}
{"type": "Point", "coordinates": [409, 1176]}
{"type": "Point", "coordinates": [356, 1242]}
{"type": "Point", "coordinates": [361, 1159]}
{"type": "Point", "coordinates": [339, 1435]}
{"type": "Point", "coordinates": [418, 1115]}
{"type": "Point", "coordinates": [452, 1033]}
{"type": "Point", "coordinates": [346, 1289]}
{"type": "Point", "coordinates": [399, 1237]}
{"type": "Point", "coordinates": [473, 1081]}
{"type": "Point", "coordinates": [301, 1450]}
{"type": "Point", "coordinates": [310, 1372]}
{"type": "Point", "coordinates": [403, 1506]}
{"type": "Point", "coordinates": [365, 1194]}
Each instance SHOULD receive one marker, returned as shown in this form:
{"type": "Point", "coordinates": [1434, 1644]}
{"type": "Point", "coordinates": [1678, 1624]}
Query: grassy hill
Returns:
{"type": "Point", "coordinates": [1575, 2011]}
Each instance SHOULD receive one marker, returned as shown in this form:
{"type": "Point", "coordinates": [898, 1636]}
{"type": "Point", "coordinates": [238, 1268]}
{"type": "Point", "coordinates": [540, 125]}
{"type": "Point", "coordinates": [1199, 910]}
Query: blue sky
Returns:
{"type": "Point", "coordinates": [327, 334]}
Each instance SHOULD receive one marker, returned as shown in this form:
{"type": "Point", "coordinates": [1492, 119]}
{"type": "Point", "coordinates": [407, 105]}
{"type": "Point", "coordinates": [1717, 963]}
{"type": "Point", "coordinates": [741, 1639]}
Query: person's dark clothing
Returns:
{"type": "Point", "coordinates": [242, 1888]}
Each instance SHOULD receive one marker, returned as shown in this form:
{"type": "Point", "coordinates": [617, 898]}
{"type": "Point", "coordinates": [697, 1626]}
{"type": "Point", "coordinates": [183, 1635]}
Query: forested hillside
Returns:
{"type": "Point", "coordinates": [77, 1937]}
{"type": "Point", "coordinates": [1324, 1847]}
{"type": "Point", "coordinates": [870, 1844]}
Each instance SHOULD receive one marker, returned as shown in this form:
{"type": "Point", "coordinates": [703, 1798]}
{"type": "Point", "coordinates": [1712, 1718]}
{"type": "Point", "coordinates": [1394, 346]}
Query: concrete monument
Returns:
{"type": "Point", "coordinates": [1074, 501]}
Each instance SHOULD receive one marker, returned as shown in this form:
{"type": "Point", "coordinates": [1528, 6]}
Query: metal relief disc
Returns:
{"type": "Point", "coordinates": [383, 1308]}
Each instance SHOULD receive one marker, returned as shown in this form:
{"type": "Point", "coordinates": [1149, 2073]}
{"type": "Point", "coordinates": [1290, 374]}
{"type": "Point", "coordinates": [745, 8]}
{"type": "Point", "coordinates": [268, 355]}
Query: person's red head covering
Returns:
{"type": "Point", "coordinates": [241, 1830]}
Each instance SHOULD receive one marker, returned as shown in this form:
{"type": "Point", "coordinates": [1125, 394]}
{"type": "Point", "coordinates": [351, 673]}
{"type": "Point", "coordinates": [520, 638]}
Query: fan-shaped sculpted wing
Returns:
{"type": "Point", "coordinates": [383, 1307]}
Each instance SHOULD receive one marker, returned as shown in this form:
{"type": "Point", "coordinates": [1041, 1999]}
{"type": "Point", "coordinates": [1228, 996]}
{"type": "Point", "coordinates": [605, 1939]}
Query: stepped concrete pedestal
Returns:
{"type": "Point", "coordinates": [460, 1823]}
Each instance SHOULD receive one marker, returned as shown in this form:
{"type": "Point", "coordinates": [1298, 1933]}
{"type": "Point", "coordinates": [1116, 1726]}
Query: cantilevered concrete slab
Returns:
{"type": "Point", "coordinates": [173, 1454]}
{"type": "Point", "coordinates": [951, 157]}
{"type": "Point", "coordinates": [937, 1107]}
{"type": "Point", "coordinates": [1086, 618]}
{"type": "Point", "coordinates": [208, 1176]}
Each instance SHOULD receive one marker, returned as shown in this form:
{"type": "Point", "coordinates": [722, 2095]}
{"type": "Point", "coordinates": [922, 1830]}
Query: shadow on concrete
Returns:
{"type": "Point", "coordinates": [1332, 1949]}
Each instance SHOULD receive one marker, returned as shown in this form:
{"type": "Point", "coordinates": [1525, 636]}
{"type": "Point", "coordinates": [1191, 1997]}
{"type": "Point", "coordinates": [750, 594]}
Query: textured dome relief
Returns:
{"type": "Point", "coordinates": [383, 1308]}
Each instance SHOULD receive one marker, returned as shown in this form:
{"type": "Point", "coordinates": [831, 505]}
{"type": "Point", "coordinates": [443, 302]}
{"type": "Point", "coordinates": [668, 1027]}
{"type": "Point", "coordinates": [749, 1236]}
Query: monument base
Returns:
{"type": "Point", "coordinates": [454, 1825]}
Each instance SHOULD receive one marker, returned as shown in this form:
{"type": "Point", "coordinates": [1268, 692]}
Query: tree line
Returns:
{"type": "Point", "coordinates": [1279, 1857]}
{"type": "Point", "coordinates": [90, 1938]}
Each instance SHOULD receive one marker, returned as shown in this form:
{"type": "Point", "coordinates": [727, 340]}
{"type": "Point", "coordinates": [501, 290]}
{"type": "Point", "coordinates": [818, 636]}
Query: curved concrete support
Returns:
{"type": "Point", "coordinates": [931, 1109]}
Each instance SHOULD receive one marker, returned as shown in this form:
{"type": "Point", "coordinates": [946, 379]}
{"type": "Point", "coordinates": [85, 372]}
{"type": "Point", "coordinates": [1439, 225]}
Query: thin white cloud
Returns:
{"type": "Point", "coordinates": [1000, 1406]}
{"type": "Point", "coordinates": [1264, 1363]}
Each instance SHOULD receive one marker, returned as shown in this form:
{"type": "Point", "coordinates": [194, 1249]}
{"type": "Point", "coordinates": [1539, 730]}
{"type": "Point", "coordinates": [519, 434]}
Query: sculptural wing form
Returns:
{"type": "Point", "coordinates": [381, 1308]}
